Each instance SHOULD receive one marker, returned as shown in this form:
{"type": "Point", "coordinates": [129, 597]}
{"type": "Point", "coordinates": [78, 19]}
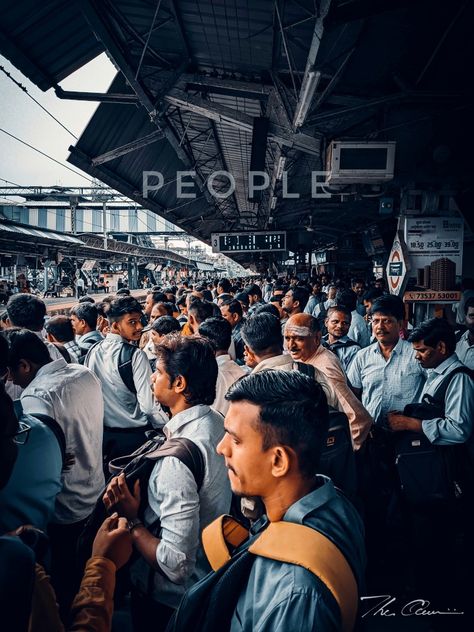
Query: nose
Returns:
{"type": "Point", "coordinates": [221, 446]}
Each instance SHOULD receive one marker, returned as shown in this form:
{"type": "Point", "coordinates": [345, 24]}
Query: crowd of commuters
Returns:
{"type": "Point", "coordinates": [230, 392]}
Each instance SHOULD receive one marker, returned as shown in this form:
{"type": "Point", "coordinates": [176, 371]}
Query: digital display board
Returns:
{"type": "Point", "coordinates": [260, 241]}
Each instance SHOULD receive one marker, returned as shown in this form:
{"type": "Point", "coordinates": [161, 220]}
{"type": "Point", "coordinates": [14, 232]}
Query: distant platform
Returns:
{"type": "Point", "coordinates": [63, 304]}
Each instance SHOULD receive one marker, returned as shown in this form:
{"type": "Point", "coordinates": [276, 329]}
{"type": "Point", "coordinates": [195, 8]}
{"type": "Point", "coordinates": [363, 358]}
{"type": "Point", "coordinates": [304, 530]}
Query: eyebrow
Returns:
{"type": "Point", "coordinates": [233, 434]}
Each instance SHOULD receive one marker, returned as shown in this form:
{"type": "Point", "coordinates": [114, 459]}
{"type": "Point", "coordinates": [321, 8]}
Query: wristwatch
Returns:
{"type": "Point", "coordinates": [132, 524]}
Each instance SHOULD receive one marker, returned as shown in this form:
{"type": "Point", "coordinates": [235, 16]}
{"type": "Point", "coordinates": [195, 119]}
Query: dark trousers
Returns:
{"type": "Point", "coordinates": [148, 614]}
{"type": "Point", "coordinates": [65, 574]}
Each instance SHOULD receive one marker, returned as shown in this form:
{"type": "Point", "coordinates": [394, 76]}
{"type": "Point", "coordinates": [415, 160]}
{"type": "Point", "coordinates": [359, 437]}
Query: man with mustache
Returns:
{"type": "Point", "coordinates": [303, 341]}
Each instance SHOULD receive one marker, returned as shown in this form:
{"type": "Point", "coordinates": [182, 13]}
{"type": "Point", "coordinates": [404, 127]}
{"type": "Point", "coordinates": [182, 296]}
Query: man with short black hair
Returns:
{"type": "Point", "coordinates": [84, 318]}
{"type": "Point", "coordinates": [295, 300]}
{"type": "Point", "coordinates": [152, 298]}
{"type": "Point", "coordinates": [219, 332]}
{"type": "Point", "coordinates": [385, 374]}
{"type": "Point", "coordinates": [172, 558]}
{"type": "Point", "coordinates": [129, 409]}
{"type": "Point", "coordinates": [434, 342]}
{"type": "Point", "coordinates": [254, 294]}
{"type": "Point", "coordinates": [231, 310]}
{"type": "Point", "coordinates": [358, 329]}
{"type": "Point", "coordinates": [276, 428]}
{"type": "Point", "coordinates": [338, 322]}
{"type": "Point", "coordinates": [59, 330]}
{"type": "Point", "coordinates": [198, 312]}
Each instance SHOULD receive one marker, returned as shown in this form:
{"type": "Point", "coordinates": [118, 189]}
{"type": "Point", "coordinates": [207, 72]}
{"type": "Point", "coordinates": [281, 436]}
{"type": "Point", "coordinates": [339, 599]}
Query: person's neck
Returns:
{"type": "Point", "coordinates": [286, 494]}
{"type": "Point", "coordinates": [332, 339]}
{"type": "Point", "coordinates": [386, 348]}
{"type": "Point", "coordinates": [222, 353]}
{"type": "Point", "coordinates": [267, 355]}
{"type": "Point", "coordinates": [179, 407]}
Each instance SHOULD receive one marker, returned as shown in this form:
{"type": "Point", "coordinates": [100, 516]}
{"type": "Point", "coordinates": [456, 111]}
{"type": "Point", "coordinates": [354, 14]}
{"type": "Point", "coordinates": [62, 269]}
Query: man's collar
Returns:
{"type": "Point", "coordinates": [444, 366]}
{"type": "Point", "coordinates": [51, 367]}
{"type": "Point", "coordinates": [225, 357]}
{"type": "Point", "coordinates": [184, 417]}
{"type": "Point", "coordinates": [312, 501]}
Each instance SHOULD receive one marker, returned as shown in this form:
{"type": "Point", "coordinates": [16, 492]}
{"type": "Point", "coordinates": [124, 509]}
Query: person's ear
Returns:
{"type": "Point", "coordinates": [281, 461]}
{"type": "Point", "coordinates": [180, 384]}
{"type": "Point", "coordinates": [441, 347]}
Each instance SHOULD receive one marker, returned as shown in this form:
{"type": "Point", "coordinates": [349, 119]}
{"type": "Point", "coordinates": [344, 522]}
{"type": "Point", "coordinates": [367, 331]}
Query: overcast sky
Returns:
{"type": "Point", "coordinates": [21, 116]}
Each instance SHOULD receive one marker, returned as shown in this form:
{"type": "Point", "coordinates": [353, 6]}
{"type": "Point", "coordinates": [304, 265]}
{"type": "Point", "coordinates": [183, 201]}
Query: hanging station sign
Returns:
{"type": "Point", "coordinates": [398, 266]}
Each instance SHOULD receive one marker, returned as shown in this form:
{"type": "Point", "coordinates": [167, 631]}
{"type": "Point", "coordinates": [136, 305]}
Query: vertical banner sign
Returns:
{"type": "Point", "coordinates": [398, 266]}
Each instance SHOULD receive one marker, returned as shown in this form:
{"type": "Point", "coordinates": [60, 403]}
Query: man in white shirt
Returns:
{"type": "Point", "coordinates": [71, 395]}
{"type": "Point", "coordinates": [219, 332]}
{"type": "Point", "coordinates": [184, 382]}
{"type": "Point", "coordinates": [124, 372]}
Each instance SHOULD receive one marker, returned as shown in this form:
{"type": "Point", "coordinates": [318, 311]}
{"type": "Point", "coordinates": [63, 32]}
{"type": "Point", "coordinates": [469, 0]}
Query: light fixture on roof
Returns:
{"type": "Point", "coordinates": [310, 83]}
{"type": "Point", "coordinates": [273, 202]}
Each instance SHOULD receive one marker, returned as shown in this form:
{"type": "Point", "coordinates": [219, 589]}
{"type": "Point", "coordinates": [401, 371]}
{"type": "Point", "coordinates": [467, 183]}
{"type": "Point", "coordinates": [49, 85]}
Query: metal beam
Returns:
{"type": "Point", "coordinates": [225, 115]}
{"type": "Point", "coordinates": [228, 84]}
{"type": "Point", "coordinates": [310, 78]}
{"type": "Point", "coordinates": [130, 99]}
{"type": "Point", "coordinates": [129, 147]}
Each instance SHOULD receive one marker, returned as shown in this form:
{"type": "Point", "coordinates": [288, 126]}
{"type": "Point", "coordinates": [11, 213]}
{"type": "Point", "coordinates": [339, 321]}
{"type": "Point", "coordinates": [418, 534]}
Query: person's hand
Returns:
{"type": "Point", "coordinates": [113, 541]}
{"type": "Point", "coordinates": [118, 496]}
{"type": "Point", "coordinates": [398, 422]}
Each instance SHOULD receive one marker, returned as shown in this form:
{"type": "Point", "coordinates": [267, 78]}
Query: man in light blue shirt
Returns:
{"type": "Point", "coordinates": [434, 342]}
{"type": "Point", "coordinates": [337, 323]}
{"type": "Point", "coordinates": [385, 374]}
{"type": "Point", "coordinates": [275, 430]}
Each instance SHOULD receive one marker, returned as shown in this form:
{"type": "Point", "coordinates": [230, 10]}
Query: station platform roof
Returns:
{"type": "Point", "coordinates": [194, 76]}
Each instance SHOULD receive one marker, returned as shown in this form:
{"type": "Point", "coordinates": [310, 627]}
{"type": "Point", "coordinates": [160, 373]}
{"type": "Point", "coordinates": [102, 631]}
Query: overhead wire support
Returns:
{"type": "Point", "coordinates": [25, 90]}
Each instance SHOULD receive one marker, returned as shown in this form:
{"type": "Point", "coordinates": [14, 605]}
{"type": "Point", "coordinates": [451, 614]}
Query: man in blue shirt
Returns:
{"type": "Point", "coordinates": [434, 342]}
{"type": "Point", "coordinates": [275, 430]}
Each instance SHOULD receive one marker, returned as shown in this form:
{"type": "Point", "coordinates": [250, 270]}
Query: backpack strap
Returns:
{"type": "Point", "coordinates": [127, 352]}
{"type": "Point", "coordinates": [314, 551]}
{"type": "Point", "coordinates": [218, 535]}
{"type": "Point", "coordinates": [187, 452]}
{"type": "Point", "coordinates": [303, 547]}
{"type": "Point", "coordinates": [439, 395]}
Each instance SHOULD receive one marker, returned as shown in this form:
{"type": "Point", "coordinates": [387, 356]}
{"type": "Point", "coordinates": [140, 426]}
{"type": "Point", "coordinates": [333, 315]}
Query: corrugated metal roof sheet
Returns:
{"type": "Point", "coordinates": [36, 233]}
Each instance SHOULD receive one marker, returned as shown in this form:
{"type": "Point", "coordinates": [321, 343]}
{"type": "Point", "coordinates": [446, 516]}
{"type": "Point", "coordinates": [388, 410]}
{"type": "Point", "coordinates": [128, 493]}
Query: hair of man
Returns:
{"type": "Point", "coordinates": [87, 312]}
{"type": "Point", "coordinates": [187, 356]}
{"type": "Point", "coordinates": [26, 310]}
{"type": "Point", "coordinates": [218, 331]}
{"type": "Point", "coordinates": [434, 331]}
{"type": "Point", "coordinates": [389, 305]}
{"type": "Point", "coordinates": [60, 328]}
{"type": "Point", "coordinates": [293, 413]}
{"type": "Point", "coordinates": [201, 310]}
{"type": "Point", "coordinates": [122, 306]}
{"type": "Point", "coordinates": [164, 325]}
{"type": "Point", "coordinates": [23, 344]}
{"type": "Point", "coordinates": [262, 334]}
{"type": "Point", "coordinates": [340, 308]}
{"type": "Point", "coordinates": [234, 306]}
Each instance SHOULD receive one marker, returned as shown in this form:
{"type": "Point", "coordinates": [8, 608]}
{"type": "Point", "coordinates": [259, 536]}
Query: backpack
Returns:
{"type": "Point", "coordinates": [337, 460]}
{"type": "Point", "coordinates": [48, 421]}
{"type": "Point", "coordinates": [428, 473]}
{"type": "Point", "coordinates": [138, 466]}
{"type": "Point", "coordinates": [209, 605]}
{"type": "Point", "coordinates": [125, 369]}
